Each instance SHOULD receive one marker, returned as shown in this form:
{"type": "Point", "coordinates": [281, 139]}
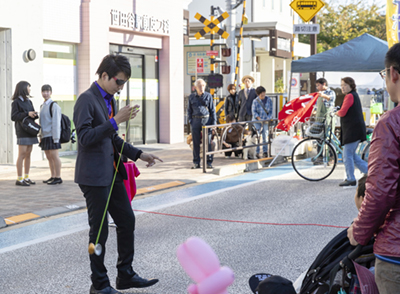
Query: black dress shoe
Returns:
{"type": "Point", "coordinates": [196, 165]}
{"type": "Point", "coordinates": [134, 282]}
{"type": "Point", "coordinates": [21, 183]}
{"type": "Point", "coordinates": [106, 290]}
{"type": "Point", "coordinates": [55, 181]}
{"type": "Point", "coordinates": [29, 181]}
{"type": "Point", "coordinates": [209, 166]}
{"type": "Point", "coordinates": [49, 180]}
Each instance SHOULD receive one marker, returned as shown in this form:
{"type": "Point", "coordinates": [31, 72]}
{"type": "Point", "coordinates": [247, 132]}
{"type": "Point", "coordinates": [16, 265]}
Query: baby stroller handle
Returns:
{"type": "Point", "coordinates": [356, 252]}
{"type": "Point", "coordinates": [346, 264]}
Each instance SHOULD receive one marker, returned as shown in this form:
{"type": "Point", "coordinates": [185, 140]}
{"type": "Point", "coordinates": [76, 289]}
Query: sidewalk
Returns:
{"type": "Point", "coordinates": [18, 204]}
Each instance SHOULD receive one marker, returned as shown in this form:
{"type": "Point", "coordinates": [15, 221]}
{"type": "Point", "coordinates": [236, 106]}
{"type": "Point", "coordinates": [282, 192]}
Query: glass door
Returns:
{"type": "Point", "coordinates": [135, 97]}
{"type": "Point", "coordinates": [142, 90]}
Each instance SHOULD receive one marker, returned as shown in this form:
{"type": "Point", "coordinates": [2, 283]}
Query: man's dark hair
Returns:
{"type": "Point", "coordinates": [114, 64]}
{"type": "Point", "coordinates": [392, 57]}
{"type": "Point", "coordinates": [47, 88]}
{"type": "Point", "coordinates": [230, 118]}
{"type": "Point", "coordinates": [21, 89]}
{"type": "Point", "coordinates": [322, 81]}
{"type": "Point", "coordinates": [361, 186]}
{"type": "Point", "coordinates": [260, 90]}
{"type": "Point", "coordinates": [350, 81]}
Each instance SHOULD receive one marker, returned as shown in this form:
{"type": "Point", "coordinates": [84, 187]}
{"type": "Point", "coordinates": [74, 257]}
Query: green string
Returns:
{"type": "Point", "coordinates": [112, 184]}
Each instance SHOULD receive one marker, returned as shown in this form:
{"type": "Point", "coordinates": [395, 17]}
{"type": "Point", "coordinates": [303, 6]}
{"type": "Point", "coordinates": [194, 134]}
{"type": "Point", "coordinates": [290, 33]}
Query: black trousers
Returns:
{"type": "Point", "coordinates": [197, 127]}
{"type": "Point", "coordinates": [120, 210]}
{"type": "Point", "coordinates": [229, 153]}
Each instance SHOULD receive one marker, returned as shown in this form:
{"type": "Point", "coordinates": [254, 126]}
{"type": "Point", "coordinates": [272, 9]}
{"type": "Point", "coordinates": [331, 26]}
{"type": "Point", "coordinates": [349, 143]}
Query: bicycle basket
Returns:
{"type": "Point", "coordinates": [316, 127]}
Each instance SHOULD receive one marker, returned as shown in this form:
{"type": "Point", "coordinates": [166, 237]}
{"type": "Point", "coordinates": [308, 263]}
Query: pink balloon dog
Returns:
{"type": "Point", "coordinates": [201, 263]}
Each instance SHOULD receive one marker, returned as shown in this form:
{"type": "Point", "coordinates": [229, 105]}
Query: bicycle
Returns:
{"type": "Point", "coordinates": [316, 157]}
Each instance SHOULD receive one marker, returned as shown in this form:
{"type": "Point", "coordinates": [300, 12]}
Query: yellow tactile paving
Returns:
{"type": "Point", "coordinates": [20, 218]}
{"type": "Point", "coordinates": [160, 187]}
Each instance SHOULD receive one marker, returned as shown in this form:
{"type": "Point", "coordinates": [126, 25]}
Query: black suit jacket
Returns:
{"type": "Point", "coordinates": [246, 104]}
{"type": "Point", "coordinates": [97, 141]}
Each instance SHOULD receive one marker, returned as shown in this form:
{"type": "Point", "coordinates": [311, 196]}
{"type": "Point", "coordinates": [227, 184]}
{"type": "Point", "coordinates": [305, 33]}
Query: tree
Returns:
{"type": "Point", "coordinates": [342, 23]}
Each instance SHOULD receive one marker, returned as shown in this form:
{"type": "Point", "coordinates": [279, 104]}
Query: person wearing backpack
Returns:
{"type": "Point", "coordinates": [50, 121]}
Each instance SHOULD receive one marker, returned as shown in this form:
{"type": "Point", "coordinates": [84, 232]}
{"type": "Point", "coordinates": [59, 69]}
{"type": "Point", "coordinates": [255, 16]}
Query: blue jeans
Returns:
{"type": "Point", "coordinates": [264, 134]}
{"type": "Point", "coordinates": [350, 158]}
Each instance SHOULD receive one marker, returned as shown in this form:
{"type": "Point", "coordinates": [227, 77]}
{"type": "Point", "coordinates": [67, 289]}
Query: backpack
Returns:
{"type": "Point", "coordinates": [65, 134]}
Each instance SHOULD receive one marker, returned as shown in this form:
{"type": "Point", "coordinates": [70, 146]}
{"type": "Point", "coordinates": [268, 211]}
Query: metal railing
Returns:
{"type": "Point", "coordinates": [270, 123]}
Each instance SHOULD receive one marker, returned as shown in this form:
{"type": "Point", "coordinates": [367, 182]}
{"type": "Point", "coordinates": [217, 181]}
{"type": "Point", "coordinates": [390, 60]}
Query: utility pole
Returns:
{"type": "Point", "coordinates": [313, 46]}
{"type": "Point", "coordinates": [212, 91]}
{"type": "Point", "coordinates": [231, 29]}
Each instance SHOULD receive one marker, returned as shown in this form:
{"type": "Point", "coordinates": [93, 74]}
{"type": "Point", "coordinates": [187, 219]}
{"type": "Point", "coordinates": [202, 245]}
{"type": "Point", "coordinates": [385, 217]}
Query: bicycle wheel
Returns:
{"type": "Point", "coordinates": [314, 159]}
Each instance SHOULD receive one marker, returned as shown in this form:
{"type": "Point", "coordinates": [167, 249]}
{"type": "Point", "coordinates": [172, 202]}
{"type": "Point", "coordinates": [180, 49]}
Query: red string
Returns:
{"type": "Point", "coordinates": [237, 221]}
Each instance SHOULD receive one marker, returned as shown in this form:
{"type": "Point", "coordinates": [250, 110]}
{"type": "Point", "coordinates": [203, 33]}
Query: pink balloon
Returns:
{"type": "Point", "coordinates": [201, 263]}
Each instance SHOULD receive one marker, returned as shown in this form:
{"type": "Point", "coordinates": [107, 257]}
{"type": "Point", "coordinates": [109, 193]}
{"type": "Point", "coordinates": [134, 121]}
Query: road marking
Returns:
{"type": "Point", "coordinates": [159, 187]}
{"type": "Point", "coordinates": [20, 218]}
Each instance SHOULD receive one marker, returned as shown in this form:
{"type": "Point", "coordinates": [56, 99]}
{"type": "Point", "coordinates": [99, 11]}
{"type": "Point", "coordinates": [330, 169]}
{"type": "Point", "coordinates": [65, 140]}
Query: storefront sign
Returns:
{"type": "Point", "coordinates": [138, 22]}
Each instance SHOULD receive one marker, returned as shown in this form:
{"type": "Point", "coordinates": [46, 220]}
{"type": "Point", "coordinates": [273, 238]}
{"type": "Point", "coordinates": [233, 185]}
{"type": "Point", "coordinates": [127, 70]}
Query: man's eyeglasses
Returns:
{"type": "Point", "coordinates": [383, 73]}
{"type": "Point", "coordinates": [119, 82]}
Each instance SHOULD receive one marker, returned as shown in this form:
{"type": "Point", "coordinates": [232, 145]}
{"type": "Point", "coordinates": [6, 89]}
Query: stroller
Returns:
{"type": "Point", "coordinates": [338, 267]}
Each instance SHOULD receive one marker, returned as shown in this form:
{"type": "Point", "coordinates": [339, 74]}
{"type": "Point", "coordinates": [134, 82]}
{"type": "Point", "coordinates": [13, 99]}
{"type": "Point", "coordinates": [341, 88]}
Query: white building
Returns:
{"type": "Point", "coordinates": [70, 38]}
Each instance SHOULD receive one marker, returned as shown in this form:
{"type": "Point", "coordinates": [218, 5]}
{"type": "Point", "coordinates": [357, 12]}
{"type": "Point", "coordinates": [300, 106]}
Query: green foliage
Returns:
{"type": "Point", "coordinates": [279, 87]}
{"type": "Point", "coordinates": [342, 23]}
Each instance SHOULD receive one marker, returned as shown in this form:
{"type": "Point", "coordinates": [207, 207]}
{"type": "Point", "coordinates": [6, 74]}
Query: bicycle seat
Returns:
{"type": "Point", "coordinates": [369, 131]}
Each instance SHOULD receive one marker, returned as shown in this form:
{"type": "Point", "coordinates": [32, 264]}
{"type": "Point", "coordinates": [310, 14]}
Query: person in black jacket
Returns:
{"type": "Point", "coordinates": [22, 107]}
{"type": "Point", "coordinates": [246, 97]}
{"type": "Point", "coordinates": [96, 121]}
{"type": "Point", "coordinates": [232, 102]}
{"type": "Point", "coordinates": [353, 131]}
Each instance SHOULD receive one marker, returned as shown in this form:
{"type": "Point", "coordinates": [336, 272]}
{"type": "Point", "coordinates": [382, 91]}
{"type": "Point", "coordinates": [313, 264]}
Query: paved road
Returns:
{"type": "Point", "coordinates": [50, 256]}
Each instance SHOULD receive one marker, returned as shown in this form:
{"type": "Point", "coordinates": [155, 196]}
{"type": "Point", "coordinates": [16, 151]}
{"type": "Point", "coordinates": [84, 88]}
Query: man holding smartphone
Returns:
{"type": "Point", "coordinates": [96, 122]}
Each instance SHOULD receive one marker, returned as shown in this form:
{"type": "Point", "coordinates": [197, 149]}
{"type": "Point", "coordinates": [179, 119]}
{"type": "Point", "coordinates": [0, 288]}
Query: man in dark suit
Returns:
{"type": "Point", "coordinates": [246, 97]}
{"type": "Point", "coordinates": [96, 122]}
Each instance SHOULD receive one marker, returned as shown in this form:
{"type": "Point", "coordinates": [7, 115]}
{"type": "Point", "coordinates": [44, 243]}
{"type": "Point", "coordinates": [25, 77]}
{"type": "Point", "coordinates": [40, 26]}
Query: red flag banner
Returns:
{"type": "Point", "coordinates": [297, 110]}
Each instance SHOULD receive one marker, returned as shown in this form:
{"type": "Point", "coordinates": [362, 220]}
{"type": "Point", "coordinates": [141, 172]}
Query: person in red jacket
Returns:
{"type": "Point", "coordinates": [380, 211]}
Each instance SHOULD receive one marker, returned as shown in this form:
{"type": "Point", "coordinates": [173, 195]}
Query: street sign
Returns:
{"type": "Point", "coordinates": [211, 26]}
{"type": "Point", "coordinates": [306, 29]}
{"type": "Point", "coordinates": [307, 9]}
{"type": "Point", "coordinates": [215, 81]}
{"type": "Point", "coordinates": [200, 65]}
{"type": "Point", "coordinates": [212, 53]}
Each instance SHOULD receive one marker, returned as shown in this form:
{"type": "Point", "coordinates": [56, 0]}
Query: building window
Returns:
{"type": "Point", "coordinates": [263, 3]}
{"type": "Point", "coordinates": [281, 5]}
{"type": "Point", "coordinates": [272, 4]}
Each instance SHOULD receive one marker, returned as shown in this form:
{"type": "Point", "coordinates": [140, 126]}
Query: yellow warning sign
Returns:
{"type": "Point", "coordinates": [307, 9]}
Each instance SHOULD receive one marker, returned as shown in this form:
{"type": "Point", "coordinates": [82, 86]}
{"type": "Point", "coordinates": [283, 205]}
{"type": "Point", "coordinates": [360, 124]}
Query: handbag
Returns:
{"type": "Point", "coordinates": [29, 126]}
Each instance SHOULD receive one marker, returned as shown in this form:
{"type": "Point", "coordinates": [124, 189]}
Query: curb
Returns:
{"type": "Point", "coordinates": [2, 223]}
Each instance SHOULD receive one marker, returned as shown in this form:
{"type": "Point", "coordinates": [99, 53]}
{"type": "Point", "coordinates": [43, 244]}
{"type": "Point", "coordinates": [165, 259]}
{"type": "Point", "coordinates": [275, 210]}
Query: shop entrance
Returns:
{"type": "Point", "coordinates": [6, 125]}
{"type": "Point", "coordinates": [141, 89]}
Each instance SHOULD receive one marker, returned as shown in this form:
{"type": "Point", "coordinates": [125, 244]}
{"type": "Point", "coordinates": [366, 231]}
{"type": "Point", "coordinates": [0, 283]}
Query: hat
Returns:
{"type": "Point", "coordinates": [275, 285]}
{"type": "Point", "coordinates": [366, 279]}
{"type": "Point", "coordinates": [248, 77]}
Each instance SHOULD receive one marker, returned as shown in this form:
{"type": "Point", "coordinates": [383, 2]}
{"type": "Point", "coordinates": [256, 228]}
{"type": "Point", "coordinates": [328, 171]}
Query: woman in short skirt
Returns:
{"type": "Point", "coordinates": [50, 121]}
{"type": "Point", "coordinates": [22, 107]}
